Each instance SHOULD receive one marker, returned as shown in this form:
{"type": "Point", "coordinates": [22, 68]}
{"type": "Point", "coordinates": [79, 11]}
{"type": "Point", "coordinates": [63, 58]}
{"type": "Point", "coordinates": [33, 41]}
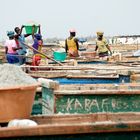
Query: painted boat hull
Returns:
{"type": "Point", "coordinates": [92, 126]}
{"type": "Point", "coordinates": [89, 98]}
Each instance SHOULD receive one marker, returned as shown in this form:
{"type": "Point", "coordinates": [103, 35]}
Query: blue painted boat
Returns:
{"type": "Point", "coordinates": [108, 80]}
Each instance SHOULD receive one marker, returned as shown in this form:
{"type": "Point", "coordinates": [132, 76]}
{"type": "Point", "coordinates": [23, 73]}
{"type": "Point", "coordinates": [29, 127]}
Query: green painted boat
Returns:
{"type": "Point", "coordinates": [97, 98]}
{"type": "Point", "coordinates": [88, 98]}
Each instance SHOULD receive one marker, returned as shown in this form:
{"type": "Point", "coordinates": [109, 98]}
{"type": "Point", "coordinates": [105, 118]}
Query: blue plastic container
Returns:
{"type": "Point", "coordinates": [59, 56]}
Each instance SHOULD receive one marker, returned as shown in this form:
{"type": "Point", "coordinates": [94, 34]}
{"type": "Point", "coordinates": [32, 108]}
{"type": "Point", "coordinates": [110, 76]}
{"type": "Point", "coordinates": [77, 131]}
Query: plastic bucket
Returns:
{"type": "Point", "coordinates": [29, 29]}
{"type": "Point", "coordinates": [59, 56]}
{"type": "Point", "coordinates": [16, 102]}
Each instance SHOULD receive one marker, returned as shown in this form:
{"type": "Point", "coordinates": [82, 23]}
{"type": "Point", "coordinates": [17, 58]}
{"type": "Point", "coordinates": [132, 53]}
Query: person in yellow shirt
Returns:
{"type": "Point", "coordinates": [71, 44]}
{"type": "Point", "coordinates": [102, 45]}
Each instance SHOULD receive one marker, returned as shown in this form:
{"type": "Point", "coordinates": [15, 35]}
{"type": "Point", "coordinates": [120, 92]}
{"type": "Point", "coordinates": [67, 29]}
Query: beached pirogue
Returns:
{"type": "Point", "coordinates": [101, 111]}
{"type": "Point", "coordinates": [104, 126]}
{"type": "Point", "coordinates": [86, 111]}
{"type": "Point", "coordinates": [92, 74]}
{"type": "Point", "coordinates": [89, 98]}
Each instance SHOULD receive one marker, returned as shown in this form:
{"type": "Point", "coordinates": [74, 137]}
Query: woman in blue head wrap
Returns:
{"type": "Point", "coordinates": [11, 49]}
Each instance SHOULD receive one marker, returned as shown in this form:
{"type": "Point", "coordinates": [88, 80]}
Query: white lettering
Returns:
{"type": "Point", "coordinates": [69, 102]}
{"type": "Point", "coordinates": [87, 104]}
{"type": "Point", "coordinates": [94, 103]}
{"type": "Point", "coordinates": [105, 104]}
{"type": "Point", "coordinates": [78, 104]}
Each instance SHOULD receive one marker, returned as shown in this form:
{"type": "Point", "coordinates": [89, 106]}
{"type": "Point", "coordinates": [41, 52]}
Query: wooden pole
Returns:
{"type": "Point", "coordinates": [42, 53]}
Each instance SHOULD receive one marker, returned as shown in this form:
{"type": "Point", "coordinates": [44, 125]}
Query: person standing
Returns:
{"type": "Point", "coordinates": [71, 44]}
{"type": "Point", "coordinates": [102, 45]}
{"type": "Point", "coordinates": [11, 49]}
{"type": "Point", "coordinates": [19, 37]}
{"type": "Point", "coordinates": [38, 42]}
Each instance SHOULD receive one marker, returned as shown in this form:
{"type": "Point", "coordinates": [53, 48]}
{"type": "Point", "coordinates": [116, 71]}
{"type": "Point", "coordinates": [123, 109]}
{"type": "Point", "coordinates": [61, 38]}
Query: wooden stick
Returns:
{"type": "Point", "coordinates": [42, 54]}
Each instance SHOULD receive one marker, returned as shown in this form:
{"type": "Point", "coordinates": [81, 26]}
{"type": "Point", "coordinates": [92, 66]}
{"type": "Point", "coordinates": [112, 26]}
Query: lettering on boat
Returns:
{"type": "Point", "coordinates": [92, 104]}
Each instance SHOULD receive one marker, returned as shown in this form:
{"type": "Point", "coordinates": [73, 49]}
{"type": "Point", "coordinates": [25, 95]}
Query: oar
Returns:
{"type": "Point", "coordinates": [42, 53]}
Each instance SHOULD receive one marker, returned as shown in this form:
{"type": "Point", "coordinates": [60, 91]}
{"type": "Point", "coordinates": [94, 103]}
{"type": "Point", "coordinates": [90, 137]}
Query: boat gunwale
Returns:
{"type": "Point", "coordinates": [90, 126]}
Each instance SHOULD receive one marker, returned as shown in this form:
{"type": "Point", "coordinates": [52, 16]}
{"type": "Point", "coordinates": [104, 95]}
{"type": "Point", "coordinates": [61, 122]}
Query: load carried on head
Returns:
{"type": "Point", "coordinates": [29, 27]}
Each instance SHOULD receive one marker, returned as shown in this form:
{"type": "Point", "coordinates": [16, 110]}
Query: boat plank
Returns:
{"type": "Point", "coordinates": [72, 127]}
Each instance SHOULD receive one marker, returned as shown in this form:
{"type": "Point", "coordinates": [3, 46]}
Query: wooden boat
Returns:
{"type": "Point", "coordinates": [125, 47]}
{"type": "Point", "coordinates": [97, 98]}
{"type": "Point", "coordinates": [94, 61]}
{"type": "Point", "coordinates": [82, 76]}
{"type": "Point", "coordinates": [90, 98]}
{"type": "Point", "coordinates": [113, 66]}
{"type": "Point", "coordinates": [88, 126]}
{"type": "Point", "coordinates": [87, 74]}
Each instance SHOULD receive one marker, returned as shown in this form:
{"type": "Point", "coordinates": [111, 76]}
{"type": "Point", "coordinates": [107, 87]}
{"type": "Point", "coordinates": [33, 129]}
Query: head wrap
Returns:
{"type": "Point", "coordinates": [38, 36]}
{"type": "Point", "coordinates": [100, 33]}
{"type": "Point", "coordinates": [10, 33]}
{"type": "Point", "coordinates": [72, 31]}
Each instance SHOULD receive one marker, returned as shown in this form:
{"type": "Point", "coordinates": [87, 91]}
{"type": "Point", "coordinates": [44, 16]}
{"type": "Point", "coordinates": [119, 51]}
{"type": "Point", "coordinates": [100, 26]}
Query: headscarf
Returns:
{"type": "Point", "coordinates": [38, 36]}
{"type": "Point", "coordinates": [99, 33]}
{"type": "Point", "coordinates": [10, 33]}
{"type": "Point", "coordinates": [72, 31]}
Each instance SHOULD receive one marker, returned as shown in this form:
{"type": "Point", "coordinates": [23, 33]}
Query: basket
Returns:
{"type": "Point", "coordinates": [59, 56]}
{"type": "Point", "coordinates": [16, 102]}
{"type": "Point", "coordinates": [29, 29]}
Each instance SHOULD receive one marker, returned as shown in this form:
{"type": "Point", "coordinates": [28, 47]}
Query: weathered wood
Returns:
{"type": "Point", "coordinates": [104, 74]}
{"type": "Point", "coordinates": [44, 75]}
{"type": "Point", "coordinates": [87, 98]}
{"type": "Point", "coordinates": [109, 98]}
{"type": "Point", "coordinates": [135, 78]}
{"type": "Point", "coordinates": [84, 67]}
{"type": "Point", "coordinates": [96, 103]}
{"type": "Point", "coordinates": [93, 76]}
{"type": "Point", "coordinates": [133, 86]}
{"type": "Point", "coordinates": [44, 102]}
{"type": "Point", "coordinates": [76, 124]}
{"type": "Point", "coordinates": [127, 88]}
{"type": "Point", "coordinates": [97, 92]}
{"type": "Point", "coordinates": [95, 117]}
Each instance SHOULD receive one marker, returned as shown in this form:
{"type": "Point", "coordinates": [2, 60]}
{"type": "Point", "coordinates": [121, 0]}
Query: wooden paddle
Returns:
{"type": "Point", "coordinates": [42, 53]}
